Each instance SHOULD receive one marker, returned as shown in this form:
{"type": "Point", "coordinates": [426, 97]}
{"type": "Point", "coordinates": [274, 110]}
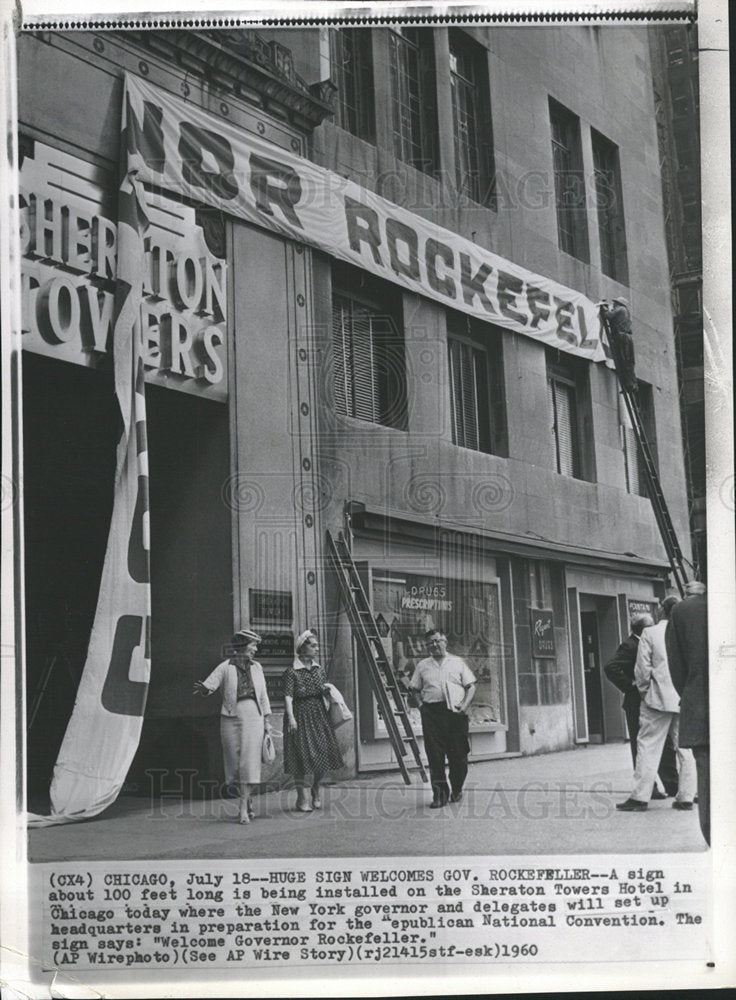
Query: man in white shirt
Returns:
{"type": "Point", "coordinates": [659, 719]}
{"type": "Point", "coordinates": [446, 687]}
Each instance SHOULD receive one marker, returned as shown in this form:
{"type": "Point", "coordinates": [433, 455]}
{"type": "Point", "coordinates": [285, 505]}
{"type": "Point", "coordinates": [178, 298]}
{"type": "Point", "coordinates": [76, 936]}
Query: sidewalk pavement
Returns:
{"type": "Point", "coordinates": [560, 802]}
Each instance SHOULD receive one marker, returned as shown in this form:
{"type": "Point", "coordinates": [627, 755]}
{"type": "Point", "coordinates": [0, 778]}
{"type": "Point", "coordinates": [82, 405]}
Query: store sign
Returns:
{"type": "Point", "coordinates": [68, 243]}
{"type": "Point", "coordinates": [639, 608]}
{"type": "Point", "coordinates": [276, 646]}
{"type": "Point", "coordinates": [468, 612]}
{"type": "Point", "coordinates": [270, 606]}
{"type": "Point", "coordinates": [179, 147]}
{"type": "Point", "coordinates": [543, 632]}
{"type": "Point", "coordinates": [426, 597]}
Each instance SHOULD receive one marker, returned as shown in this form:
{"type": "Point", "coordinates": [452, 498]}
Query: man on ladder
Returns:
{"type": "Point", "coordinates": [616, 323]}
{"type": "Point", "coordinates": [619, 327]}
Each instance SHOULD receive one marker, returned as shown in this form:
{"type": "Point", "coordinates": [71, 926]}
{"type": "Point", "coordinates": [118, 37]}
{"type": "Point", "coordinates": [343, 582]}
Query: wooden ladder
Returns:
{"type": "Point", "coordinates": [654, 487]}
{"type": "Point", "coordinates": [372, 655]}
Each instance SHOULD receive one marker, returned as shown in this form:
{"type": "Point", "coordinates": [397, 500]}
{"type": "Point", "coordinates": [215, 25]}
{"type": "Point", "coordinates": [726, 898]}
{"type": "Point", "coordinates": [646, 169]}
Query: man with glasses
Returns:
{"type": "Point", "coordinates": [445, 685]}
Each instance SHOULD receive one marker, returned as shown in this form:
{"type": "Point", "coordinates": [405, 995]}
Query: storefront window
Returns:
{"type": "Point", "coordinates": [469, 612]}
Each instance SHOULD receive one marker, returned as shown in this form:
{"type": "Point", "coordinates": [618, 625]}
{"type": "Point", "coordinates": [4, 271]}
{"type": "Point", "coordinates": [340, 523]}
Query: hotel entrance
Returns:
{"type": "Point", "coordinates": [71, 427]}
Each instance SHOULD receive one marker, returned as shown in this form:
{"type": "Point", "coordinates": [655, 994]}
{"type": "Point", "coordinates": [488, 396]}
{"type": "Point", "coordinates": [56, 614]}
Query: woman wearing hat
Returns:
{"type": "Point", "coordinates": [245, 715]}
{"type": "Point", "coordinates": [310, 746]}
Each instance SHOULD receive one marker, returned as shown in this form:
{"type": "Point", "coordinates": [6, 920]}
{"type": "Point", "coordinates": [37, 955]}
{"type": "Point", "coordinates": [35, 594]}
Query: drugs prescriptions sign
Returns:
{"type": "Point", "coordinates": [69, 266]}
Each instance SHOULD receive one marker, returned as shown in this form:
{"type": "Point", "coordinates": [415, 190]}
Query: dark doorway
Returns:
{"type": "Point", "coordinates": [592, 674]}
{"type": "Point", "coordinates": [191, 589]}
{"type": "Point", "coordinates": [71, 428]}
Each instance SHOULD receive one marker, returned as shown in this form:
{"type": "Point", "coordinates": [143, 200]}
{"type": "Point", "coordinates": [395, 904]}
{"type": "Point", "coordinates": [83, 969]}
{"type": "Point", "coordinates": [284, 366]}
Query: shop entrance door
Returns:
{"type": "Point", "coordinates": [592, 675]}
{"type": "Point", "coordinates": [600, 636]}
{"type": "Point", "coordinates": [71, 427]}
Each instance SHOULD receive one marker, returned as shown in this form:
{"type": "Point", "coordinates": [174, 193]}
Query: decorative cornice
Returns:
{"type": "Point", "coordinates": [242, 63]}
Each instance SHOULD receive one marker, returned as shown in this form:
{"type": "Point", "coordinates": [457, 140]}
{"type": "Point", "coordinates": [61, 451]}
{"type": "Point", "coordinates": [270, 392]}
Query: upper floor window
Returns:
{"type": "Point", "coordinates": [567, 159]}
{"type": "Point", "coordinates": [634, 464]}
{"type": "Point", "coordinates": [686, 148]}
{"type": "Point", "coordinates": [568, 401]}
{"type": "Point", "coordinates": [635, 475]}
{"type": "Point", "coordinates": [471, 117]}
{"type": "Point", "coordinates": [352, 71]}
{"type": "Point", "coordinates": [414, 113]}
{"type": "Point", "coordinates": [609, 202]}
{"type": "Point", "coordinates": [477, 402]}
{"type": "Point", "coordinates": [369, 368]}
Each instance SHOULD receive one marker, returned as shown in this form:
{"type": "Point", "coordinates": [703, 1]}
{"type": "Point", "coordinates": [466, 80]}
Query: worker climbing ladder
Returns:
{"type": "Point", "coordinates": [373, 656]}
{"type": "Point", "coordinates": [656, 496]}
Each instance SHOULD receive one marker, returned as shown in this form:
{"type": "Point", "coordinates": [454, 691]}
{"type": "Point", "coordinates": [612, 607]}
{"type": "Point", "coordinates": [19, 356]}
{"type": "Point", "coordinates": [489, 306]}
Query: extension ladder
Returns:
{"type": "Point", "coordinates": [656, 496]}
{"type": "Point", "coordinates": [383, 680]}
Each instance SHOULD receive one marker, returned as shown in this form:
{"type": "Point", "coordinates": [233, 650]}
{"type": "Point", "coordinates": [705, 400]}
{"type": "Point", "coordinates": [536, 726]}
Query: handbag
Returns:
{"type": "Point", "coordinates": [337, 711]}
{"type": "Point", "coordinates": [268, 749]}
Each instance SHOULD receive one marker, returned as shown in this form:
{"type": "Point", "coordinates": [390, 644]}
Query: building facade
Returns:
{"type": "Point", "coordinates": [677, 103]}
{"type": "Point", "coordinates": [488, 481]}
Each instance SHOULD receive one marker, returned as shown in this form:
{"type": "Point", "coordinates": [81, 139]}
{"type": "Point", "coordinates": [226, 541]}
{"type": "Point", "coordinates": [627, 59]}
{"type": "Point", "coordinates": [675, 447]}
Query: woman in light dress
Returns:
{"type": "Point", "coordinates": [245, 715]}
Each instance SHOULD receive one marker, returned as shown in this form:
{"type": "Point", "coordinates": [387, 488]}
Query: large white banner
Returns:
{"type": "Point", "coordinates": [179, 147]}
{"type": "Point", "coordinates": [104, 730]}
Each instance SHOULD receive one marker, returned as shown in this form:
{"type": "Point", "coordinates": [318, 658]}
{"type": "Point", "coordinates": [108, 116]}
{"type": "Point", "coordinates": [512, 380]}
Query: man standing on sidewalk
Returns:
{"type": "Point", "coordinates": [620, 671]}
{"type": "Point", "coordinates": [445, 685]}
{"type": "Point", "coordinates": [687, 651]}
{"type": "Point", "coordinates": [659, 718]}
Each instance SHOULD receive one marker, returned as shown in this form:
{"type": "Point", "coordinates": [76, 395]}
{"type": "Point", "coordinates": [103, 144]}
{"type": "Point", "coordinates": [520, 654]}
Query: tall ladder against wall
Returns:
{"type": "Point", "coordinates": [656, 496]}
{"type": "Point", "coordinates": [372, 655]}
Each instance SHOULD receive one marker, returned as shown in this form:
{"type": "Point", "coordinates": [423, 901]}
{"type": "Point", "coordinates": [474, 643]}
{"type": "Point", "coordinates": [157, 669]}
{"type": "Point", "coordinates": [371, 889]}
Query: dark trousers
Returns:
{"type": "Point", "coordinates": [702, 764]}
{"type": "Point", "coordinates": [445, 738]}
{"type": "Point", "coordinates": [667, 769]}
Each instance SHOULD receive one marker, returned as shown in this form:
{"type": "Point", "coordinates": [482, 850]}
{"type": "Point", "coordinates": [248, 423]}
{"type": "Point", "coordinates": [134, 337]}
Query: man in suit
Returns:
{"type": "Point", "coordinates": [659, 719]}
{"type": "Point", "coordinates": [687, 652]}
{"type": "Point", "coordinates": [620, 672]}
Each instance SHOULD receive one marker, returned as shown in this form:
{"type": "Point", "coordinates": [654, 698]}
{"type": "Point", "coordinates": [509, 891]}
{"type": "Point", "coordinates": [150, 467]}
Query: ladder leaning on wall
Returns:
{"type": "Point", "coordinates": [654, 487]}
{"type": "Point", "coordinates": [372, 656]}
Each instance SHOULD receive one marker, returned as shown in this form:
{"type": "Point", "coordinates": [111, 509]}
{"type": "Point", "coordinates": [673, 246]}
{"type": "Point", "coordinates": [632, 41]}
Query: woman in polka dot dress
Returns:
{"type": "Point", "coordinates": [310, 746]}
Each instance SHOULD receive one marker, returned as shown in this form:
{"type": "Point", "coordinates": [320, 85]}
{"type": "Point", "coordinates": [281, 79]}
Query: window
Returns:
{"type": "Point", "coordinates": [561, 396]}
{"type": "Point", "coordinates": [609, 202]}
{"type": "Point", "coordinates": [686, 147]}
{"type": "Point", "coordinates": [414, 115]}
{"type": "Point", "coordinates": [471, 118]}
{"type": "Point", "coordinates": [633, 467]}
{"type": "Point", "coordinates": [352, 72]}
{"type": "Point", "coordinates": [542, 681]}
{"type": "Point", "coordinates": [477, 403]}
{"type": "Point", "coordinates": [677, 43]}
{"type": "Point", "coordinates": [636, 473]}
{"type": "Point", "coordinates": [568, 401]}
{"type": "Point", "coordinates": [369, 374]}
{"type": "Point", "coordinates": [567, 158]}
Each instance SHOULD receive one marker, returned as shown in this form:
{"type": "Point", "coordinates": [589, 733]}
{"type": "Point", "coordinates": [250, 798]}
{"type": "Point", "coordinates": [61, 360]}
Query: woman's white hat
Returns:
{"type": "Point", "coordinates": [302, 638]}
{"type": "Point", "coordinates": [245, 636]}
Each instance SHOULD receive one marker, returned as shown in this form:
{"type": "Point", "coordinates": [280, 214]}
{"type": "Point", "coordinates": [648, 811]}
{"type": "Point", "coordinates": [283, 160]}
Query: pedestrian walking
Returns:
{"type": "Point", "coordinates": [659, 718]}
{"type": "Point", "coordinates": [310, 746]}
{"type": "Point", "coordinates": [686, 640]}
{"type": "Point", "coordinates": [244, 718]}
{"type": "Point", "coordinates": [445, 685]}
{"type": "Point", "coordinates": [620, 672]}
